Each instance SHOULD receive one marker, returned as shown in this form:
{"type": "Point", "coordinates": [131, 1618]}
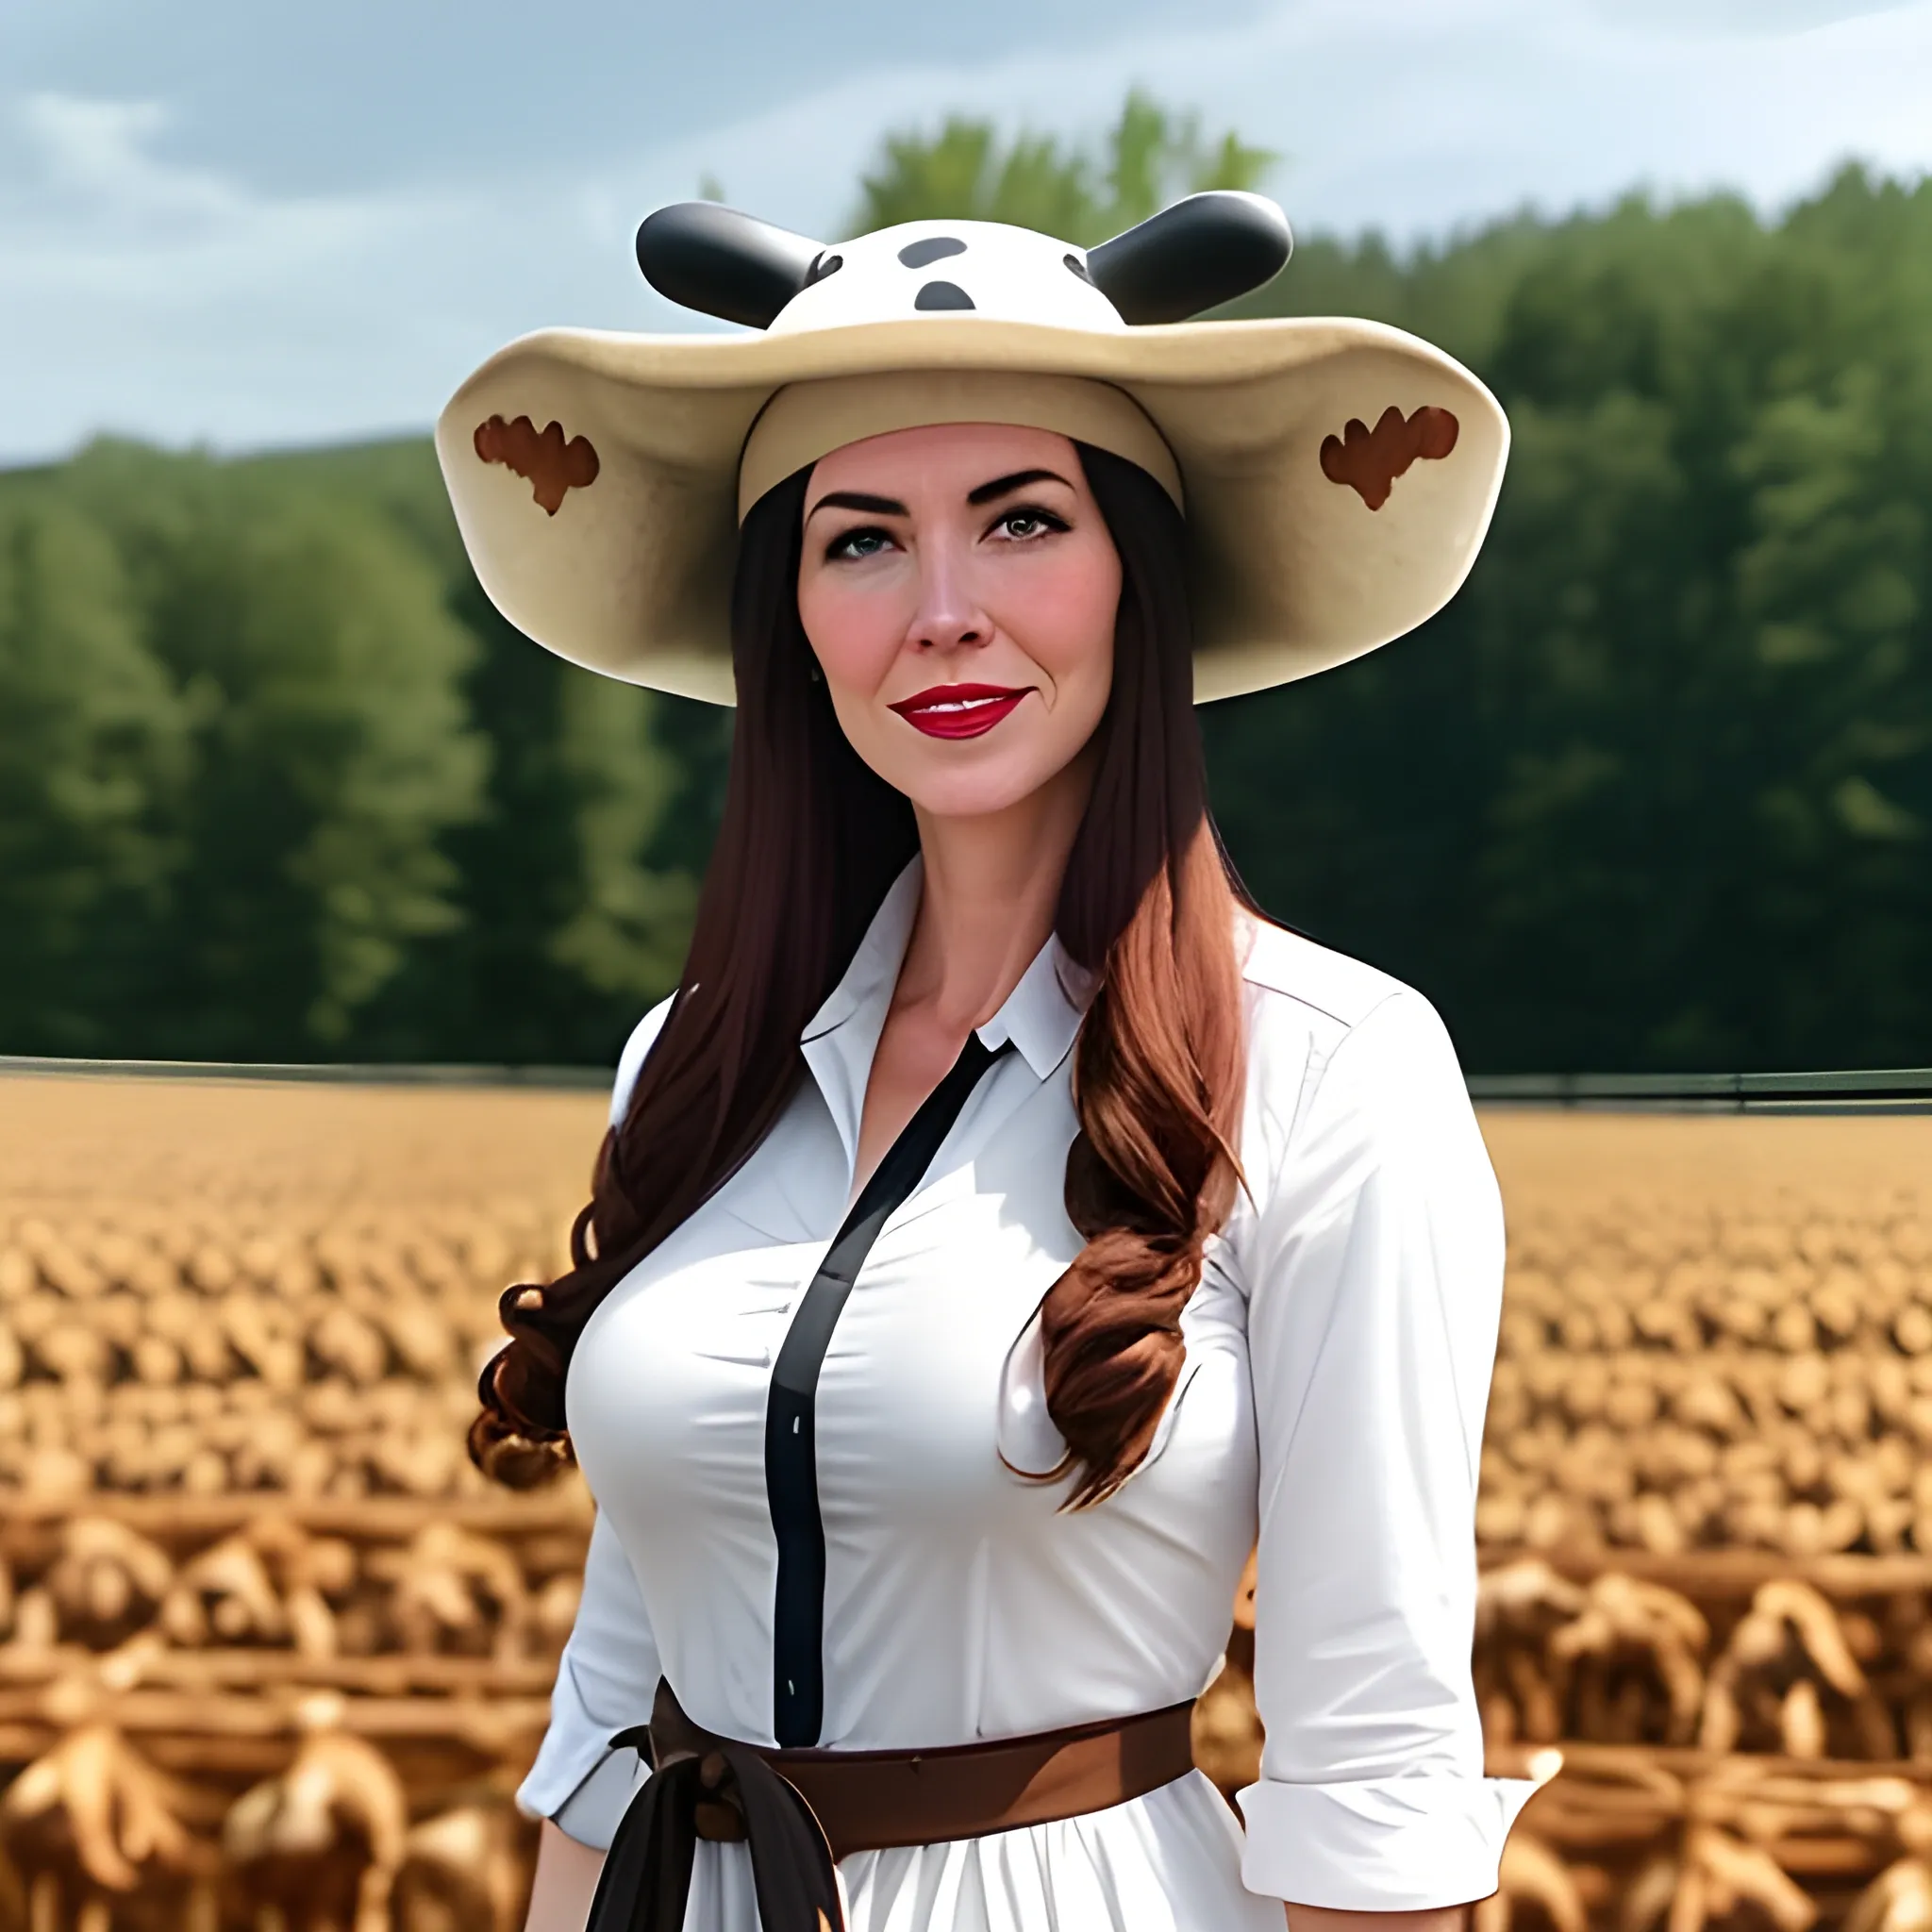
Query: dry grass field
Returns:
{"type": "Point", "coordinates": [214, 1287]}
{"type": "Point", "coordinates": [272, 1655]}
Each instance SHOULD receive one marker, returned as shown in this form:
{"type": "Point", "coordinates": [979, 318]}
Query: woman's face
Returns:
{"type": "Point", "coordinates": [958, 587]}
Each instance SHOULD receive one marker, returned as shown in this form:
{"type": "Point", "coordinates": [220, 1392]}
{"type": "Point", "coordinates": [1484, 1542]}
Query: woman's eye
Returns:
{"type": "Point", "coordinates": [858, 544]}
{"type": "Point", "coordinates": [1022, 526]}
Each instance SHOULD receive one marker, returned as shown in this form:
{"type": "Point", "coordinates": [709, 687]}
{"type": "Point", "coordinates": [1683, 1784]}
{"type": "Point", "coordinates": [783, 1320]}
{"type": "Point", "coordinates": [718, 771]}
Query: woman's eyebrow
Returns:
{"type": "Point", "coordinates": [1005, 485]}
{"type": "Point", "coordinates": [854, 499]}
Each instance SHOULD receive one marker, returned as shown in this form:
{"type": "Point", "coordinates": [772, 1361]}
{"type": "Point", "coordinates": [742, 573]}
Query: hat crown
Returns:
{"type": "Point", "coordinates": [915, 269]}
{"type": "Point", "coordinates": [1205, 249]}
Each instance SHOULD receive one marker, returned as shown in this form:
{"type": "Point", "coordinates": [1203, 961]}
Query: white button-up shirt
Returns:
{"type": "Point", "coordinates": [1339, 1354]}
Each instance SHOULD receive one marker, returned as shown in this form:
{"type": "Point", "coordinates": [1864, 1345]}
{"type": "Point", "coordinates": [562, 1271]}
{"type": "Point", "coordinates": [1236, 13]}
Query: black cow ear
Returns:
{"type": "Point", "coordinates": [721, 262]}
{"type": "Point", "coordinates": [1202, 251]}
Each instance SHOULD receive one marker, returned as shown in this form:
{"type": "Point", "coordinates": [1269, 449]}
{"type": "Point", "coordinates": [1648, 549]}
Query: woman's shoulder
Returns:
{"type": "Point", "coordinates": [631, 1061]}
{"type": "Point", "coordinates": [1356, 1101]}
{"type": "Point", "coordinates": [1319, 1019]}
{"type": "Point", "coordinates": [1297, 979]}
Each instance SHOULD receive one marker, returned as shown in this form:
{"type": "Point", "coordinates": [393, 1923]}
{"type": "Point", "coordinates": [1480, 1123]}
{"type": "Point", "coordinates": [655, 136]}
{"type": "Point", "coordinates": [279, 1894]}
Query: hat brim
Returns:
{"type": "Point", "coordinates": [1298, 563]}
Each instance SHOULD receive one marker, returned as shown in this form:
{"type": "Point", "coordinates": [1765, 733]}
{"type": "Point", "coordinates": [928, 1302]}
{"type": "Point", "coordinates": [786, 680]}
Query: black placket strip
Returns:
{"type": "Point", "coordinates": [791, 1445]}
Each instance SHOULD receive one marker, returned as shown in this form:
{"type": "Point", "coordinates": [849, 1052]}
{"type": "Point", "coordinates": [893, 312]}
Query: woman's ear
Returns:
{"type": "Point", "coordinates": [1202, 251]}
{"type": "Point", "coordinates": [719, 262]}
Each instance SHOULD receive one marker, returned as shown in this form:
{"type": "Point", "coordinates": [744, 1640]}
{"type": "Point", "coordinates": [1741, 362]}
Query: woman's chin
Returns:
{"type": "Point", "coordinates": [972, 777]}
{"type": "Point", "coordinates": [970, 794]}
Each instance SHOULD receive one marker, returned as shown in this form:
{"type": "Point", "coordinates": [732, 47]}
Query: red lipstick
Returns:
{"type": "Point", "coordinates": [958, 711]}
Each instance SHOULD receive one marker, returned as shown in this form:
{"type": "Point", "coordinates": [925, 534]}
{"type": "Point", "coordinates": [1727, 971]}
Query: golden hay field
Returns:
{"type": "Point", "coordinates": [272, 1655]}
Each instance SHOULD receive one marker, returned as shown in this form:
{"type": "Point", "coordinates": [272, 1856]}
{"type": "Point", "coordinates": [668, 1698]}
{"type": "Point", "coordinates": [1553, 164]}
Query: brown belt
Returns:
{"type": "Point", "coordinates": [801, 1809]}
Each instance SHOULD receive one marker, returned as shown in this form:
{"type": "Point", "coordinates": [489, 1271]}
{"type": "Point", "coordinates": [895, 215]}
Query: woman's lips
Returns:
{"type": "Point", "coordinates": [958, 711]}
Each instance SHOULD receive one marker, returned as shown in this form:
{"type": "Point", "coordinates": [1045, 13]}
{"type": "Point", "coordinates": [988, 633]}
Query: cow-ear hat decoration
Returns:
{"type": "Point", "coordinates": [1337, 476]}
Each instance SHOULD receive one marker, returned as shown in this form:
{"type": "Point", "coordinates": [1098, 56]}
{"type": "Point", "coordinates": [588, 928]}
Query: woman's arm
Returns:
{"type": "Point", "coordinates": [1373, 1269]}
{"type": "Point", "coordinates": [607, 1680]}
{"type": "Point", "coordinates": [580, 1783]}
{"type": "Point", "coordinates": [1332, 1919]}
{"type": "Point", "coordinates": [566, 1883]}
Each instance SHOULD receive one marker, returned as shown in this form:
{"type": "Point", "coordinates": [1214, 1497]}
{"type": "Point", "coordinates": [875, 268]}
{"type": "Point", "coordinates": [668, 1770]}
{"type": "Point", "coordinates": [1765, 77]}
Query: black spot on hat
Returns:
{"type": "Point", "coordinates": [823, 264]}
{"type": "Point", "coordinates": [943, 295]}
{"type": "Point", "coordinates": [933, 248]}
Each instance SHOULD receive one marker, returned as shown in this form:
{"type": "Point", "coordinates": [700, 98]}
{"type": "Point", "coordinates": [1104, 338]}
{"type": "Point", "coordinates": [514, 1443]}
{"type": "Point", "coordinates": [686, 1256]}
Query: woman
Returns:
{"type": "Point", "coordinates": [1003, 1227]}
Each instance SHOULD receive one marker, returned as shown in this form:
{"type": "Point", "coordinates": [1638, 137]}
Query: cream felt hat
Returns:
{"type": "Point", "coordinates": [1337, 476]}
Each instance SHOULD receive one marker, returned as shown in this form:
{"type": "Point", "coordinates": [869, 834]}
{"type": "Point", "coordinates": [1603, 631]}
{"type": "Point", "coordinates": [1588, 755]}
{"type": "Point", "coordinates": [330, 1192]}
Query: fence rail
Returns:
{"type": "Point", "coordinates": [1859, 1090]}
{"type": "Point", "coordinates": [318, 1073]}
{"type": "Point", "coordinates": [1856, 1089]}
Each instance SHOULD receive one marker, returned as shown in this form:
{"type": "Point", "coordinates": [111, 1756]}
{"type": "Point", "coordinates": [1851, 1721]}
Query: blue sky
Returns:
{"type": "Point", "coordinates": [240, 224]}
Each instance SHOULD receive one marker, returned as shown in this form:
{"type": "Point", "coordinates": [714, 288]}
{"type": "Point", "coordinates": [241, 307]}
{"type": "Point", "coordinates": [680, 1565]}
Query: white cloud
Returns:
{"type": "Point", "coordinates": [102, 217]}
{"type": "Point", "coordinates": [150, 296]}
{"type": "Point", "coordinates": [96, 147]}
{"type": "Point", "coordinates": [167, 300]}
{"type": "Point", "coordinates": [1750, 17]}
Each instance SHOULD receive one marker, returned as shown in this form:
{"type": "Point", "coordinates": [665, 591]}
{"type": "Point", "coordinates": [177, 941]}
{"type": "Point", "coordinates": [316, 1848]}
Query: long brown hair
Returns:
{"type": "Point", "coordinates": [810, 841]}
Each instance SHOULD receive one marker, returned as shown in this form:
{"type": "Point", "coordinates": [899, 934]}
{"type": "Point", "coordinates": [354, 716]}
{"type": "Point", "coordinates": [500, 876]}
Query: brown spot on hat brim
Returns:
{"type": "Point", "coordinates": [551, 466]}
{"type": "Point", "coordinates": [1369, 461]}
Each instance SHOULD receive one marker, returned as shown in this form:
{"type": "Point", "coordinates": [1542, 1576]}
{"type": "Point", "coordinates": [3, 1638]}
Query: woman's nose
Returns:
{"type": "Point", "coordinates": [948, 615]}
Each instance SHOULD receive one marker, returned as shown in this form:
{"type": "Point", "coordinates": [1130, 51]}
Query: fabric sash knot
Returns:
{"type": "Point", "coordinates": [726, 1793]}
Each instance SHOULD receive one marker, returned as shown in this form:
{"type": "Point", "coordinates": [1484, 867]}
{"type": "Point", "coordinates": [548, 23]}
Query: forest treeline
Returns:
{"type": "Point", "coordinates": [1654, 792]}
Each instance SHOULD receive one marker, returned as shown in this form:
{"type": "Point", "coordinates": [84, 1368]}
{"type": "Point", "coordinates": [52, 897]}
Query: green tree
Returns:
{"type": "Point", "coordinates": [1654, 789]}
{"type": "Point", "coordinates": [276, 781]}
{"type": "Point", "coordinates": [310, 678]}
{"type": "Point", "coordinates": [94, 758]}
{"type": "Point", "coordinates": [1148, 158]}
{"type": "Point", "coordinates": [577, 879]}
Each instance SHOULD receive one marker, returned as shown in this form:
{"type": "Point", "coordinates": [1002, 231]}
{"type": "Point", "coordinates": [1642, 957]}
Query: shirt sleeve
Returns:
{"type": "Point", "coordinates": [605, 1684]}
{"type": "Point", "coordinates": [631, 1061]}
{"type": "Point", "coordinates": [1373, 1266]}
{"type": "Point", "coordinates": [608, 1673]}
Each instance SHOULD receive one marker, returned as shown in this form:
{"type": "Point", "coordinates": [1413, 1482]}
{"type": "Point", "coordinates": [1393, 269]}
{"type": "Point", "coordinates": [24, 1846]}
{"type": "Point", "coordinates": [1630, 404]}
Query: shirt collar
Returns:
{"type": "Point", "coordinates": [1040, 1016]}
{"type": "Point", "coordinates": [1043, 1013]}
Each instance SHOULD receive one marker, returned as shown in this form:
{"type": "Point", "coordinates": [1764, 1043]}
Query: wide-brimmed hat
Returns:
{"type": "Point", "coordinates": [1337, 476]}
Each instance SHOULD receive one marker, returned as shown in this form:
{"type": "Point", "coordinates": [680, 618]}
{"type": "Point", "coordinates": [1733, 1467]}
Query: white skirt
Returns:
{"type": "Point", "coordinates": [1166, 1862]}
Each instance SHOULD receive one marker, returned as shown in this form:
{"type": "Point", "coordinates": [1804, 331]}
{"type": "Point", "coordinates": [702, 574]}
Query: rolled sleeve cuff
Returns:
{"type": "Point", "coordinates": [579, 1781]}
{"type": "Point", "coordinates": [1379, 1844]}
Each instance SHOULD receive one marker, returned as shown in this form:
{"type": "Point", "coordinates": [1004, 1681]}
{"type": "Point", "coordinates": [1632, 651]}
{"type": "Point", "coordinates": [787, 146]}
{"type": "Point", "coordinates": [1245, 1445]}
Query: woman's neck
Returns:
{"type": "Point", "coordinates": [991, 887]}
